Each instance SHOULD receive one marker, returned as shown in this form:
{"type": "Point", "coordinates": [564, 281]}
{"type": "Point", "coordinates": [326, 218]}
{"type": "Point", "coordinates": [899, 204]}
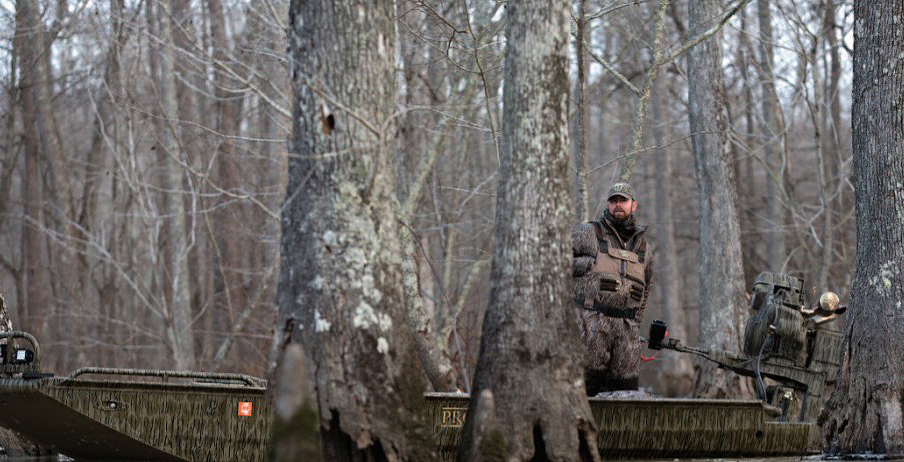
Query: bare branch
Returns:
{"type": "Point", "coordinates": [706, 34]}
{"type": "Point", "coordinates": [612, 70]}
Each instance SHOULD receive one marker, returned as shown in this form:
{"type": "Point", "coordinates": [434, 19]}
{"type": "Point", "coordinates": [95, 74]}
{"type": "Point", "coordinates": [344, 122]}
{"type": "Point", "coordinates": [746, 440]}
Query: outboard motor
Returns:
{"type": "Point", "coordinates": [777, 328]}
{"type": "Point", "coordinates": [785, 341]}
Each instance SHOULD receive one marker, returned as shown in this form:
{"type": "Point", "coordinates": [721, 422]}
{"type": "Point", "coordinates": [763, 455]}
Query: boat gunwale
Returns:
{"type": "Point", "coordinates": [15, 384]}
{"type": "Point", "coordinates": [632, 400]}
{"type": "Point", "coordinates": [199, 387]}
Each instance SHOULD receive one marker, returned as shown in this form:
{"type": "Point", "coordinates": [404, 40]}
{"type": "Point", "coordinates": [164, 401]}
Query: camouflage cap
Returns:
{"type": "Point", "coordinates": [621, 189]}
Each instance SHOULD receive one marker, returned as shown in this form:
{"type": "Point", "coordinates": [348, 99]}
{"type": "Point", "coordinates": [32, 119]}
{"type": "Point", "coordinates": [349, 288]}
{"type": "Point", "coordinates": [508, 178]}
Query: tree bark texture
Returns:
{"type": "Point", "coordinates": [340, 291]}
{"type": "Point", "coordinates": [721, 273]}
{"type": "Point", "coordinates": [530, 355]}
{"type": "Point", "coordinates": [865, 410]}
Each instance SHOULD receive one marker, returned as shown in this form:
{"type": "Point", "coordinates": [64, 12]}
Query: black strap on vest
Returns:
{"type": "Point", "coordinates": [628, 313]}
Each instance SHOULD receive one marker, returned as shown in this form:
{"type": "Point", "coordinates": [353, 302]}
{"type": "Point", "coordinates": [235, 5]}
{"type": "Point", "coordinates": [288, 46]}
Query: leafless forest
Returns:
{"type": "Point", "coordinates": [145, 149]}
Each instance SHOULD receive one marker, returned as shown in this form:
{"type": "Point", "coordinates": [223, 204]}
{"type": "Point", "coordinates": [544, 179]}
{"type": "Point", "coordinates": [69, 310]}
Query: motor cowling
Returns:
{"type": "Point", "coordinates": [777, 329]}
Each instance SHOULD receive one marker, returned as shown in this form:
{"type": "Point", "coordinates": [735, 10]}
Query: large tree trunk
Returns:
{"type": "Point", "coordinates": [340, 289]}
{"type": "Point", "coordinates": [530, 363]}
{"type": "Point", "coordinates": [721, 273]}
{"type": "Point", "coordinates": [865, 411]}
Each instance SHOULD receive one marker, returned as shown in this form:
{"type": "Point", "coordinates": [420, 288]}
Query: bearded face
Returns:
{"type": "Point", "coordinates": [621, 207]}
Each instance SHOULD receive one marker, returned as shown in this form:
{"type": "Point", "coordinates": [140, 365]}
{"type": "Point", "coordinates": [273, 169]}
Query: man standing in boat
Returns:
{"type": "Point", "coordinates": [612, 273]}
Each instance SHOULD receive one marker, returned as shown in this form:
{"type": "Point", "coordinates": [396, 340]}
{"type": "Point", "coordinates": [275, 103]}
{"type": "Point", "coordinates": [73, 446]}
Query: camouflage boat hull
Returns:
{"type": "Point", "coordinates": [134, 414]}
{"type": "Point", "coordinates": [658, 427]}
{"type": "Point", "coordinates": [118, 418]}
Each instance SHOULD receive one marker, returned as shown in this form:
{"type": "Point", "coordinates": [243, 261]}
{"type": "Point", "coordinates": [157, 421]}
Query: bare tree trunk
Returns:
{"type": "Point", "coordinates": [604, 131]}
{"type": "Point", "coordinates": [33, 307]}
{"type": "Point", "coordinates": [231, 261]}
{"type": "Point", "coordinates": [528, 333]}
{"type": "Point", "coordinates": [747, 187]}
{"type": "Point", "coordinates": [56, 198]}
{"type": "Point", "coordinates": [677, 373]}
{"type": "Point", "coordinates": [110, 94]}
{"type": "Point", "coordinates": [102, 139]}
{"type": "Point", "coordinates": [340, 290]}
{"type": "Point", "coordinates": [832, 151]}
{"type": "Point", "coordinates": [721, 272]}
{"type": "Point", "coordinates": [773, 150]}
{"type": "Point", "coordinates": [434, 362]}
{"type": "Point", "coordinates": [240, 293]}
{"type": "Point", "coordinates": [189, 122]}
{"type": "Point", "coordinates": [10, 162]}
{"type": "Point", "coordinates": [581, 167]}
{"type": "Point", "coordinates": [424, 153]}
{"type": "Point", "coordinates": [179, 313]}
{"type": "Point", "coordinates": [864, 412]}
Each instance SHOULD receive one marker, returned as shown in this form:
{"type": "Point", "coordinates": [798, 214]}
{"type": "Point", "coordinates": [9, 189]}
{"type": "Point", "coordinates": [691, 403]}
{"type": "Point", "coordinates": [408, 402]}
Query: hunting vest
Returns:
{"type": "Point", "coordinates": [622, 276]}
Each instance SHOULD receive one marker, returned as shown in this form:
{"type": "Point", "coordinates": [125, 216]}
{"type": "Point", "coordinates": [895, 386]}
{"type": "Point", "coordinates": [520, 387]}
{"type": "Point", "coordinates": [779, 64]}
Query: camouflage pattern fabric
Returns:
{"type": "Point", "coordinates": [621, 189]}
{"type": "Point", "coordinates": [581, 265]}
{"type": "Point", "coordinates": [613, 345]}
{"type": "Point", "coordinates": [583, 240]}
{"type": "Point", "coordinates": [613, 348]}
